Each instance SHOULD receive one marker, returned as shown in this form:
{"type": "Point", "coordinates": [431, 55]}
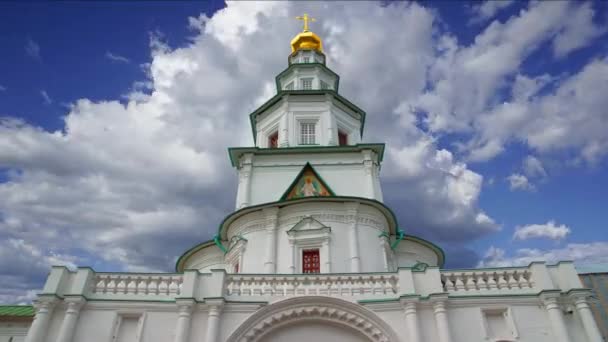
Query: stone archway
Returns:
{"type": "Point", "coordinates": [300, 316]}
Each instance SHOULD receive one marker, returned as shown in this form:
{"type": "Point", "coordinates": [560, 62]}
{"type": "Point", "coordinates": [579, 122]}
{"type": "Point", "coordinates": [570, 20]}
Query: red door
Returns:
{"type": "Point", "coordinates": [310, 261]}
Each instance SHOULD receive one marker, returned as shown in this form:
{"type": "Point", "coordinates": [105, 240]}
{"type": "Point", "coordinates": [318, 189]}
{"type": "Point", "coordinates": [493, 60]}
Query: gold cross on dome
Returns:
{"type": "Point", "coordinates": [306, 19]}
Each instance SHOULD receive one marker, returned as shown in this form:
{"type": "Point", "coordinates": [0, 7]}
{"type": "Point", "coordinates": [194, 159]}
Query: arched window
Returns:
{"type": "Point", "coordinates": [342, 138]}
{"type": "Point", "coordinates": [273, 140]}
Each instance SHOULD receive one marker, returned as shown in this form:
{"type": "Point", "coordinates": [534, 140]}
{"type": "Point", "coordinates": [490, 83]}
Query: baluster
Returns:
{"type": "Point", "coordinates": [121, 286]}
{"type": "Point", "coordinates": [449, 284]}
{"type": "Point", "coordinates": [163, 287]}
{"type": "Point", "coordinates": [111, 285]}
{"type": "Point", "coordinates": [526, 282]}
{"type": "Point", "coordinates": [492, 285]}
{"type": "Point", "coordinates": [513, 280]}
{"type": "Point", "coordinates": [173, 286]}
{"type": "Point", "coordinates": [480, 281]}
{"type": "Point", "coordinates": [153, 284]}
{"type": "Point", "coordinates": [459, 284]}
{"type": "Point", "coordinates": [502, 282]}
{"type": "Point", "coordinates": [142, 287]}
{"type": "Point", "coordinates": [131, 285]}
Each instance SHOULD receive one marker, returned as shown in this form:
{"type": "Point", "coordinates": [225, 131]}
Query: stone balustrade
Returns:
{"type": "Point", "coordinates": [108, 284]}
{"type": "Point", "coordinates": [312, 284]}
{"type": "Point", "coordinates": [197, 285]}
{"type": "Point", "coordinates": [503, 280]}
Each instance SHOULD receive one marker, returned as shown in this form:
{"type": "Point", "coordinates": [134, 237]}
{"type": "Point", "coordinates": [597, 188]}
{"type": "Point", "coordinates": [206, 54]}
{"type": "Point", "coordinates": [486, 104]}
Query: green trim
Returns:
{"type": "Point", "coordinates": [400, 235]}
{"type": "Point", "coordinates": [236, 152]}
{"type": "Point", "coordinates": [218, 243]}
{"type": "Point", "coordinates": [438, 250]}
{"type": "Point", "coordinates": [280, 95]}
{"type": "Point", "coordinates": [16, 311]}
{"type": "Point", "coordinates": [295, 181]}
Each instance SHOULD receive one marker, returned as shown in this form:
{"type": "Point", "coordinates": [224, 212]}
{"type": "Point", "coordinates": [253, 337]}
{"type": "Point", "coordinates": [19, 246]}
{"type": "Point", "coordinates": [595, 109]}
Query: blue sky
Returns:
{"type": "Point", "coordinates": [116, 118]}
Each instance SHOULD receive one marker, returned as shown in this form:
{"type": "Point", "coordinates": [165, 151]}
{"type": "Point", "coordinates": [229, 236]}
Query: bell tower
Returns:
{"type": "Point", "coordinates": [307, 122]}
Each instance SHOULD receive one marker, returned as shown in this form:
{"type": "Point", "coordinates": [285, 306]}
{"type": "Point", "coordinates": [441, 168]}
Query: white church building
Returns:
{"type": "Point", "coordinates": [311, 253]}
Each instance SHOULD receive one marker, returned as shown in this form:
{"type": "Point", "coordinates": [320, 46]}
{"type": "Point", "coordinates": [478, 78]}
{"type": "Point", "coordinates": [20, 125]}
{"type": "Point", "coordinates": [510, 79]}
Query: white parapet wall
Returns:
{"type": "Point", "coordinates": [534, 303]}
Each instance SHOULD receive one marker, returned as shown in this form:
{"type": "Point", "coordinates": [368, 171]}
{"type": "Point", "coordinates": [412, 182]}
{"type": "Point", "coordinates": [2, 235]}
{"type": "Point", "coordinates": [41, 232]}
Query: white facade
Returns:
{"type": "Point", "coordinates": [329, 263]}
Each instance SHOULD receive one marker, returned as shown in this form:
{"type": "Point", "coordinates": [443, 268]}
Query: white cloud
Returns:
{"type": "Point", "coordinates": [579, 29]}
{"type": "Point", "coordinates": [32, 49]}
{"type": "Point", "coordinates": [116, 58]}
{"type": "Point", "coordinates": [519, 182]}
{"type": "Point", "coordinates": [547, 230]}
{"type": "Point", "coordinates": [580, 253]}
{"type": "Point", "coordinates": [45, 96]}
{"type": "Point", "coordinates": [488, 10]}
{"type": "Point", "coordinates": [533, 167]}
{"type": "Point", "coordinates": [467, 84]}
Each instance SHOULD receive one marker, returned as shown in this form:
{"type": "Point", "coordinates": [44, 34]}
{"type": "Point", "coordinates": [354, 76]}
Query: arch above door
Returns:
{"type": "Point", "coordinates": [315, 310]}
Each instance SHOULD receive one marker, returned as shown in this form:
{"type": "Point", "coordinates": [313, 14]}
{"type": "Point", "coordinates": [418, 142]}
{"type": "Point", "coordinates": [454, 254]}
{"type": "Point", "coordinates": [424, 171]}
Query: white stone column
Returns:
{"type": "Point", "coordinates": [244, 188]}
{"type": "Point", "coordinates": [556, 317]}
{"type": "Point", "coordinates": [332, 127]}
{"type": "Point", "coordinates": [68, 326]}
{"type": "Point", "coordinates": [39, 328]}
{"type": "Point", "coordinates": [213, 320]}
{"type": "Point", "coordinates": [411, 319]}
{"type": "Point", "coordinates": [441, 318]}
{"type": "Point", "coordinates": [327, 253]}
{"type": "Point", "coordinates": [353, 236]}
{"type": "Point", "coordinates": [272, 220]}
{"type": "Point", "coordinates": [584, 311]}
{"type": "Point", "coordinates": [292, 262]}
{"type": "Point", "coordinates": [184, 317]}
{"type": "Point", "coordinates": [284, 130]}
{"type": "Point", "coordinates": [368, 167]}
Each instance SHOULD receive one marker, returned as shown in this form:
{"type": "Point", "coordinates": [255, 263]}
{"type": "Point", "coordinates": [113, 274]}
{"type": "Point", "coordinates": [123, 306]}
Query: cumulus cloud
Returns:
{"type": "Point", "coordinates": [116, 57]}
{"type": "Point", "coordinates": [580, 253]}
{"type": "Point", "coordinates": [519, 182]}
{"type": "Point", "coordinates": [578, 30]}
{"type": "Point", "coordinates": [547, 230]}
{"type": "Point", "coordinates": [32, 49]}
{"type": "Point", "coordinates": [467, 88]}
{"type": "Point", "coordinates": [488, 10]}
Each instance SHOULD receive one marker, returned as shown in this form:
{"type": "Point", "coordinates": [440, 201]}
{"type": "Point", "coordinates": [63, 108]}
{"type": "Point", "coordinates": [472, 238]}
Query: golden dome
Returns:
{"type": "Point", "coordinates": [306, 39]}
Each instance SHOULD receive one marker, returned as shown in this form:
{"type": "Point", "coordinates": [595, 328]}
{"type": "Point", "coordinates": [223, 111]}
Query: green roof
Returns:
{"type": "Point", "coordinates": [17, 310]}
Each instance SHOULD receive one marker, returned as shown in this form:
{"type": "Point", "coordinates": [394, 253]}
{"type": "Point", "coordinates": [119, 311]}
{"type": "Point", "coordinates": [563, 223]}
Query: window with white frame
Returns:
{"type": "Point", "coordinates": [306, 59]}
{"type": "Point", "coordinates": [307, 133]}
{"type": "Point", "coordinates": [324, 85]}
{"type": "Point", "coordinates": [306, 84]}
{"type": "Point", "coordinates": [289, 86]}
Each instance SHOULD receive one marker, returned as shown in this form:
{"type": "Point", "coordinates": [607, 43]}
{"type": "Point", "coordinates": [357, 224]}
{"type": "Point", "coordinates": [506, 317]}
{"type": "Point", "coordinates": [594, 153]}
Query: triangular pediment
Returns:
{"type": "Point", "coordinates": [307, 183]}
{"type": "Point", "coordinates": [307, 224]}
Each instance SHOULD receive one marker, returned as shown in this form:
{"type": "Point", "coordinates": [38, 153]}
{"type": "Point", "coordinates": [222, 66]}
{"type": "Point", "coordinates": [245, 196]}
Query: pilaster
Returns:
{"type": "Point", "coordinates": [68, 325]}
{"type": "Point", "coordinates": [184, 318]}
{"type": "Point", "coordinates": [550, 300]}
{"type": "Point", "coordinates": [44, 306]}
{"type": "Point", "coordinates": [441, 317]}
{"type": "Point", "coordinates": [411, 318]}
{"type": "Point", "coordinates": [352, 215]}
{"type": "Point", "coordinates": [579, 299]}
{"type": "Point", "coordinates": [214, 315]}
{"type": "Point", "coordinates": [272, 220]}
